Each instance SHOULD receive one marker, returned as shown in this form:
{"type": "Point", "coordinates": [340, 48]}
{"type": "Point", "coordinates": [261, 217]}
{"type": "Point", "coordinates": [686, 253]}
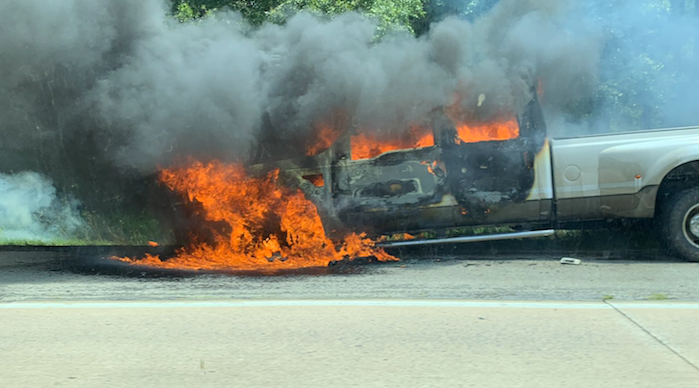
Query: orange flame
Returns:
{"type": "Point", "coordinates": [316, 179]}
{"type": "Point", "coordinates": [365, 145]}
{"type": "Point", "coordinates": [469, 130]}
{"type": "Point", "coordinates": [326, 136]}
{"type": "Point", "coordinates": [497, 130]}
{"type": "Point", "coordinates": [268, 226]}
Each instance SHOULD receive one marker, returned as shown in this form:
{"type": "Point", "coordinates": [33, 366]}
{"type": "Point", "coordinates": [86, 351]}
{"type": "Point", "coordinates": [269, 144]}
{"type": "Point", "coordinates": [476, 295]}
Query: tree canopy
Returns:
{"type": "Point", "coordinates": [414, 16]}
{"type": "Point", "coordinates": [390, 14]}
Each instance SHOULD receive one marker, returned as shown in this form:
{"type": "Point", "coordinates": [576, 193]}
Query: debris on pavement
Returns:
{"type": "Point", "coordinates": [571, 261]}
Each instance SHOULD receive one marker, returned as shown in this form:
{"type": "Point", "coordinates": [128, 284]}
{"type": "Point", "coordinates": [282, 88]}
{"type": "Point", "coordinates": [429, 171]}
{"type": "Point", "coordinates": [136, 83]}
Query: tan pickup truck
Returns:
{"type": "Point", "coordinates": [529, 181]}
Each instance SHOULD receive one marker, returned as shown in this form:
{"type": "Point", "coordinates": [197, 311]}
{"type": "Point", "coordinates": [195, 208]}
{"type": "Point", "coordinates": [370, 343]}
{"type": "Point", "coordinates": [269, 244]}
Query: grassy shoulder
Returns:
{"type": "Point", "coordinates": [126, 229]}
{"type": "Point", "coordinates": [102, 230]}
{"type": "Point", "coordinates": [53, 242]}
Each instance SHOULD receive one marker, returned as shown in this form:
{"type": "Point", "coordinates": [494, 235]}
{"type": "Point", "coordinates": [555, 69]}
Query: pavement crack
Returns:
{"type": "Point", "coordinates": [661, 342]}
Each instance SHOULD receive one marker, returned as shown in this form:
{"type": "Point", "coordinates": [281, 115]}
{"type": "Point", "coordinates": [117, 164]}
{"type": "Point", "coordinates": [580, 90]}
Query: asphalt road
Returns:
{"type": "Point", "coordinates": [435, 319]}
{"type": "Point", "coordinates": [27, 276]}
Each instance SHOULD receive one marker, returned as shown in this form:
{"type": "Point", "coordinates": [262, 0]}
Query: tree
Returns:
{"type": "Point", "coordinates": [254, 11]}
{"type": "Point", "coordinates": [390, 14]}
{"type": "Point", "coordinates": [436, 10]}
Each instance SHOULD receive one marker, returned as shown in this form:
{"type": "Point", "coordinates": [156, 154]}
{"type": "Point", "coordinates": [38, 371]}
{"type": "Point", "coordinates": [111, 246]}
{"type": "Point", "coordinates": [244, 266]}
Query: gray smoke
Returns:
{"type": "Point", "coordinates": [91, 89]}
{"type": "Point", "coordinates": [97, 94]}
{"type": "Point", "coordinates": [649, 74]}
{"type": "Point", "coordinates": [184, 89]}
{"type": "Point", "coordinates": [30, 210]}
{"type": "Point", "coordinates": [119, 82]}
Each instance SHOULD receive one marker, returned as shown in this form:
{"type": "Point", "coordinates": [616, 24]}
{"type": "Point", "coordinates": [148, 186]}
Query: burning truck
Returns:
{"type": "Point", "coordinates": [359, 134]}
{"type": "Point", "coordinates": [352, 187]}
{"type": "Point", "coordinates": [433, 177]}
{"type": "Point", "coordinates": [349, 188]}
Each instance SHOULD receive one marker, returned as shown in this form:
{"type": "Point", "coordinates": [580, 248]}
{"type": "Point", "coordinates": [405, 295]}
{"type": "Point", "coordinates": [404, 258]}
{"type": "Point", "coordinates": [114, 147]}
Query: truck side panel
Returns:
{"type": "Point", "coordinates": [617, 175]}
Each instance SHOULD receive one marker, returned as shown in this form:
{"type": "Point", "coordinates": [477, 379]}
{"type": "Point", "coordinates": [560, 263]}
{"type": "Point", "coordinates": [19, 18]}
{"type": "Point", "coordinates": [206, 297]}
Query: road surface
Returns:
{"type": "Point", "coordinates": [26, 276]}
{"type": "Point", "coordinates": [506, 320]}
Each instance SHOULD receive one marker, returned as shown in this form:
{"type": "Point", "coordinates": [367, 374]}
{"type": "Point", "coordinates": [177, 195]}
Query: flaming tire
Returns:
{"type": "Point", "coordinates": [679, 224]}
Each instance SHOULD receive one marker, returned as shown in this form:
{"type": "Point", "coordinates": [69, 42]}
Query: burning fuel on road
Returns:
{"type": "Point", "coordinates": [255, 224]}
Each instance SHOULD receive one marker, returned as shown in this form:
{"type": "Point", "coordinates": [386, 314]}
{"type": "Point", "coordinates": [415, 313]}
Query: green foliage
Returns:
{"type": "Point", "coordinates": [255, 12]}
{"type": "Point", "coordinates": [391, 15]}
{"type": "Point", "coordinates": [396, 14]}
{"type": "Point", "coordinates": [436, 10]}
{"type": "Point", "coordinates": [329, 7]}
{"type": "Point", "coordinates": [478, 231]}
{"type": "Point", "coordinates": [185, 11]}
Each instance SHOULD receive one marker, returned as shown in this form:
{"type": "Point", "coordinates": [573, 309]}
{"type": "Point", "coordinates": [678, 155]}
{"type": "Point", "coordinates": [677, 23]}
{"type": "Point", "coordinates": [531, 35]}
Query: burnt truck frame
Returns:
{"type": "Point", "coordinates": [533, 183]}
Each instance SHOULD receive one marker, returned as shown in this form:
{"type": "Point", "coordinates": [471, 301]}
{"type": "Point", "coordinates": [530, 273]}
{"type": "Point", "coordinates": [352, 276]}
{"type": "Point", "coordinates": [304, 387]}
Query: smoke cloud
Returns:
{"type": "Point", "coordinates": [30, 210]}
{"type": "Point", "coordinates": [649, 73]}
{"type": "Point", "coordinates": [93, 90]}
{"type": "Point", "coordinates": [145, 90]}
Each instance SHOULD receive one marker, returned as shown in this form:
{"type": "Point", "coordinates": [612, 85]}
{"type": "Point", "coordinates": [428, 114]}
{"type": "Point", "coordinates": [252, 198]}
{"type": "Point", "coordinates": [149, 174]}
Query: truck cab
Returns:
{"type": "Point", "coordinates": [504, 173]}
{"type": "Point", "coordinates": [494, 173]}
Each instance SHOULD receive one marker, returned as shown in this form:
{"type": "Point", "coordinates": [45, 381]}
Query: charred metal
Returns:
{"type": "Point", "coordinates": [450, 184]}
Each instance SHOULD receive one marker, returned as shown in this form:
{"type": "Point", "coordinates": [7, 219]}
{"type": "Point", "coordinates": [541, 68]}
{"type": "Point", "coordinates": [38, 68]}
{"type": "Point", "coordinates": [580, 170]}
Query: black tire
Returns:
{"type": "Point", "coordinates": [678, 222]}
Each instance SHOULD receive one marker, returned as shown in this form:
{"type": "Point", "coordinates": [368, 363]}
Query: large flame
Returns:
{"type": "Point", "coordinates": [496, 130]}
{"type": "Point", "coordinates": [365, 145]}
{"type": "Point", "coordinates": [469, 130]}
{"type": "Point", "coordinates": [266, 226]}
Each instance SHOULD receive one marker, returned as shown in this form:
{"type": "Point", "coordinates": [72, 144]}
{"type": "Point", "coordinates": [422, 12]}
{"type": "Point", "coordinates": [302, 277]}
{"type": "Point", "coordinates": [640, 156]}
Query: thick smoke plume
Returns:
{"type": "Point", "coordinates": [95, 90]}
{"type": "Point", "coordinates": [121, 77]}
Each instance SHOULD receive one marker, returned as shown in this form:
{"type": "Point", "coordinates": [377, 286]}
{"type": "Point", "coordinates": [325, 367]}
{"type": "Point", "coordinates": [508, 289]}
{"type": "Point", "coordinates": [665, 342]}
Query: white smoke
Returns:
{"type": "Point", "coordinates": [30, 210]}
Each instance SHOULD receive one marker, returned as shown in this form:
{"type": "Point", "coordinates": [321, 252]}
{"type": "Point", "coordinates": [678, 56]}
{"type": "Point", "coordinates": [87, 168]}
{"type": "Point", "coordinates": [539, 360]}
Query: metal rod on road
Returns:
{"type": "Point", "coordinates": [469, 239]}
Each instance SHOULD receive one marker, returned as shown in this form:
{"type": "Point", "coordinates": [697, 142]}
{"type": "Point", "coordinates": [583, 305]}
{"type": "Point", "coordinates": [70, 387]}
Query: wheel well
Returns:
{"type": "Point", "coordinates": [682, 177]}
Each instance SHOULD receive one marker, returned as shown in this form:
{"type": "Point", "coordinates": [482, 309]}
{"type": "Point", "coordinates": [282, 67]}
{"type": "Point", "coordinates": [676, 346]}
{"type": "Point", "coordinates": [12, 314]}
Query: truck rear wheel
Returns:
{"type": "Point", "coordinates": [679, 224]}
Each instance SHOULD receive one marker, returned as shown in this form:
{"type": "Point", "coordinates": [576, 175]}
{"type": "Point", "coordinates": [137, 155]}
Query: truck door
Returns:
{"type": "Point", "coordinates": [495, 181]}
{"type": "Point", "coordinates": [391, 185]}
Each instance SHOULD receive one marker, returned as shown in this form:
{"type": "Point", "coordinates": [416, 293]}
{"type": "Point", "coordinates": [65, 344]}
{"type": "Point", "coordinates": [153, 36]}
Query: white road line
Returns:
{"type": "Point", "coordinates": [656, 306]}
{"type": "Point", "coordinates": [346, 303]}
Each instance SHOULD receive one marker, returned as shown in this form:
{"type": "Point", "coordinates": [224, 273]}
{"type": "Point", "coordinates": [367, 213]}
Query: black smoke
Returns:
{"type": "Point", "coordinates": [98, 94]}
{"type": "Point", "coordinates": [121, 83]}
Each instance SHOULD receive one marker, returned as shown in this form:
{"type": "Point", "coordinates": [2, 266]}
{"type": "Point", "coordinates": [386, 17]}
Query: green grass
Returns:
{"type": "Point", "coordinates": [125, 229]}
{"type": "Point", "coordinates": [458, 232]}
{"type": "Point", "coordinates": [607, 297]}
{"type": "Point", "coordinates": [462, 232]}
{"type": "Point", "coordinates": [53, 242]}
{"type": "Point", "coordinates": [104, 229]}
{"type": "Point", "coordinates": [658, 296]}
